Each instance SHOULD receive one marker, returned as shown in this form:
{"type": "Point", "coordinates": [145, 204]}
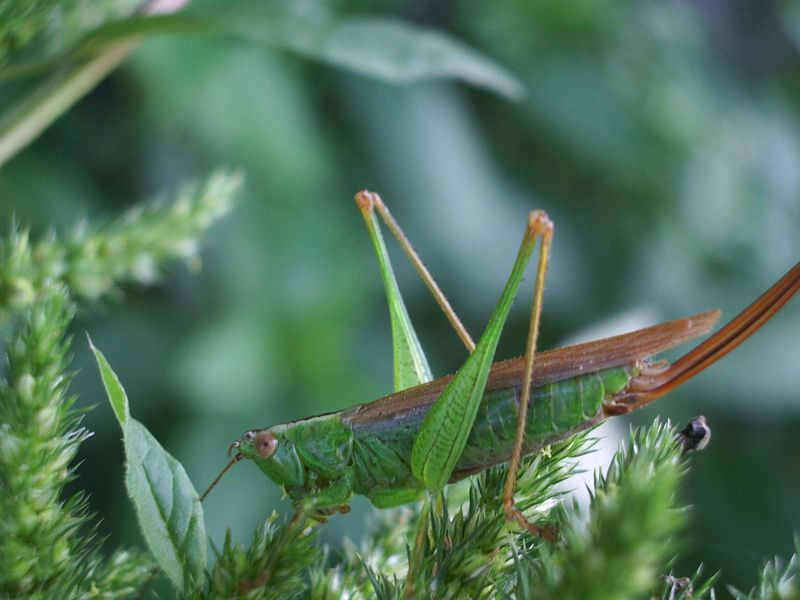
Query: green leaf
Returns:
{"type": "Point", "coordinates": [167, 505]}
{"type": "Point", "coordinates": [114, 390]}
{"type": "Point", "coordinates": [383, 48]}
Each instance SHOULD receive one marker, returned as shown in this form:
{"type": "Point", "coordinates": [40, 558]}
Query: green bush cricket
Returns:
{"type": "Point", "coordinates": [429, 433]}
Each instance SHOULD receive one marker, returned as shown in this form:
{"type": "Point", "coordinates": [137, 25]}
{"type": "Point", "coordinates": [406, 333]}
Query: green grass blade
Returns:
{"type": "Point", "coordinates": [167, 505]}
{"type": "Point", "coordinates": [410, 364]}
{"type": "Point", "coordinates": [447, 425]}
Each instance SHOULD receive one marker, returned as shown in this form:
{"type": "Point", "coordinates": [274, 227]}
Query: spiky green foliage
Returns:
{"type": "Point", "coordinates": [466, 549]}
{"type": "Point", "coordinates": [272, 567]}
{"type": "Point", "coordinates": [45, 542]}
{"type": "Point", "coordinates": [371, 569]}
{"type": "Point", "coordinates": [682, 588]}
{"type": "Point", "coordinates": [629, 535]}
{"type": "Point", "coordinates": [469, 550]}
{"type": "Point", "coordinates": [619, 548]}
{"type": "Point", "coordinates": [93, 261]}
{"type": "Point", "coordinates": [777, 581]}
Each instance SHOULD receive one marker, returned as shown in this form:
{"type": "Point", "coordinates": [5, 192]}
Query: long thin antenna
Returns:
{"type": "Point", "coordinates": [227, 468]}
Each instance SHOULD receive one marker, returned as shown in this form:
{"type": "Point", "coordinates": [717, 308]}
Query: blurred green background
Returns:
{"type": "Point", "coordinates": [662, 137]}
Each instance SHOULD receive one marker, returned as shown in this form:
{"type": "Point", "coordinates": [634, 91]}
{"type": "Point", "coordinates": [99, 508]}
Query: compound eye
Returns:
{"type": "Point", "coordinates": [248, 435]}
{"type": "Point", "coordinates": [265, 444]}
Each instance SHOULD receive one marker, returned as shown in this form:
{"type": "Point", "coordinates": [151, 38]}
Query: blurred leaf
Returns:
{"type": "Point", "coordinates": [51, 25]}
{"type": "Point", "coordinates": [167, 505]}
{"type": "Point", "coordinates": [790, 13]}
{"type": "Point", "coordinates": [92, 261]}
{"type": "Point", "coordinates": [389, 50]}
{"type": "Point", "coordinates": [382, 48]}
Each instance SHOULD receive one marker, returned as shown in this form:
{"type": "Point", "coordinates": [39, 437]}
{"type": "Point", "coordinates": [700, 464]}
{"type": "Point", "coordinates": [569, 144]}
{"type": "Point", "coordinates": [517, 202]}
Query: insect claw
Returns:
{"type": "Point", "coordinates": [678, 584]}
{"type": "Point", "coordinates": [232, 446]}
{"type": "Point", "coordinates": [548, 533]}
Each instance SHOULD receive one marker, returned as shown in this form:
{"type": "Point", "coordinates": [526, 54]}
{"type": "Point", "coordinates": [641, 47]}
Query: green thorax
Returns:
{"type": "Point", "coordinates": [311, 455]}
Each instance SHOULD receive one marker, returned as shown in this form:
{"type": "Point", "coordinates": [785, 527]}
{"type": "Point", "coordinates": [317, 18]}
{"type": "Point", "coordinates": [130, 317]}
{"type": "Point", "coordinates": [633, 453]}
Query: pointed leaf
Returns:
{"type": "Point", "coordinates": [167, 505]}
{"type": "Point", "coordinates": [114, 390]}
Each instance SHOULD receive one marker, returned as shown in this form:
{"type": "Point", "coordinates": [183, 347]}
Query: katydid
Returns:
{"type": "Point", "coordinates": [431, 432]}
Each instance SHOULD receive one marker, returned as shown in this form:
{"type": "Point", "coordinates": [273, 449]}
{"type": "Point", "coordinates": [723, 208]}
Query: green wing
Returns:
{"type": "Point", "coordinates": [447, 425]}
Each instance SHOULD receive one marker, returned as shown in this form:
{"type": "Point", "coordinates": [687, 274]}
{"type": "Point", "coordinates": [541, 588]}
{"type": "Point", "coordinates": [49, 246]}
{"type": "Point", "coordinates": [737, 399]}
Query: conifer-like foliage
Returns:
{"type": "Point", "coordinates": [620, 546]}
{"type": "Point", "coordinates": [47, 544]}
{"type": "Point", "coordinates": [93, 261]}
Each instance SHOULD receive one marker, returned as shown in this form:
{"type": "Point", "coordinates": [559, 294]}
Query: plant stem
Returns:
{"type": "Point", "coordinates": [22, 123]}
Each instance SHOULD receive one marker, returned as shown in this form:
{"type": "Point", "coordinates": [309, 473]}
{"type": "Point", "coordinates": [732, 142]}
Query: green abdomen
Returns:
{"type": "Point", "coordinates": [382, 447]}
{"type": "Point", "coordinates": [555, 411]}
